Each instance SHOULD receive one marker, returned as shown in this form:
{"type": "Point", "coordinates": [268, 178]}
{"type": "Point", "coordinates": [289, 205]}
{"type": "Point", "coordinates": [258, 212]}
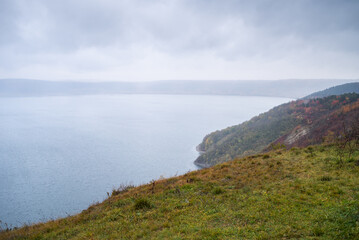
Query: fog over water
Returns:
{"type": "Point", "coordinates": [60, 154]}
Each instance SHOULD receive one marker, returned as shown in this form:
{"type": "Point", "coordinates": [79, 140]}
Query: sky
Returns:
{"type": "Point", "coordinates": [146, 40]}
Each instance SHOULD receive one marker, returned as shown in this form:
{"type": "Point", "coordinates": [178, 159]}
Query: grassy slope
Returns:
{"type": "Point", "coordinates": [299, 193]}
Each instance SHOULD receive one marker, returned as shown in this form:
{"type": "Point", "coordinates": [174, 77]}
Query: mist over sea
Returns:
{"type": "Point", "coordinates": [58, 155]}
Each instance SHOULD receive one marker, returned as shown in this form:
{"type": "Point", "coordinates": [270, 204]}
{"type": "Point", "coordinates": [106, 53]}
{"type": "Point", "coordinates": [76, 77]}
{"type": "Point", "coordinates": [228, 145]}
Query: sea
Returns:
{"type": "Point", "coordinates": [59, 155]}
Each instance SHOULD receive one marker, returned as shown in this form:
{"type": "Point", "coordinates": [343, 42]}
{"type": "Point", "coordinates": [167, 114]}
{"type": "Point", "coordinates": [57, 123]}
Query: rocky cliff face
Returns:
{"type": "Point", "coordinates": [296, 134]}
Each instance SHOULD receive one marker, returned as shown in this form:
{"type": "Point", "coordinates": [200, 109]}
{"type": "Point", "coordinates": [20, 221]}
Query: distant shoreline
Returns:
{"type": "Point", "coordinates": [295, 88]}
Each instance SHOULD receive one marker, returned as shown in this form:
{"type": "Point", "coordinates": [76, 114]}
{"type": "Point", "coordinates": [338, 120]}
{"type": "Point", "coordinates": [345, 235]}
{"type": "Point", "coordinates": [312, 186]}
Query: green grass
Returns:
{"type": "Point", "coordinates": [283, 196]}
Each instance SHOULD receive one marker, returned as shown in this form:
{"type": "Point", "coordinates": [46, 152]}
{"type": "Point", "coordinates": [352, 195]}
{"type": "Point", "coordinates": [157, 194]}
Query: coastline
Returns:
{"type": "Point", "coordinates": [200, 151]}
{"type": "Point", "coordinates": [200, 165]}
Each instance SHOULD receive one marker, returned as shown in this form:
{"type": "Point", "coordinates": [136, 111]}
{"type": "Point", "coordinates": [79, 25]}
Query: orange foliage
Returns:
{"type": "Point", "coordinates": [350, 107]}
{"type": "Point", "coordinates": [335, 102]}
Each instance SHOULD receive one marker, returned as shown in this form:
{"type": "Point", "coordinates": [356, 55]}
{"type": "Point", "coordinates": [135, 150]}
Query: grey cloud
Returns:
{"type": "Point", "coordinates": [189, 24]}
{"type": "Point", "coordinates": [230, 30]}
{"type": "Point", "coordinates": [8, 15]}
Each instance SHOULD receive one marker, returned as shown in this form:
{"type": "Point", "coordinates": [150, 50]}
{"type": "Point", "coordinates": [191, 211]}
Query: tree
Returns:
{"type": "Point", "coordinates": [347, 141]}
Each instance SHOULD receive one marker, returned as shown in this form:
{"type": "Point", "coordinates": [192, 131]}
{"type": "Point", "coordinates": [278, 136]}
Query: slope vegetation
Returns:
{"type": "Point", "coordinates": [297, 193]}
{"type": "Point", "coordinates": [298, 123]}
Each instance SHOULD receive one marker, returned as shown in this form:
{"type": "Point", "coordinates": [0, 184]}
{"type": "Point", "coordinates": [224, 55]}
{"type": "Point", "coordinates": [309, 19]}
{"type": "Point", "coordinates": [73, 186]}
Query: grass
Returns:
{"type": "Point", "coordinates": [284, 196]}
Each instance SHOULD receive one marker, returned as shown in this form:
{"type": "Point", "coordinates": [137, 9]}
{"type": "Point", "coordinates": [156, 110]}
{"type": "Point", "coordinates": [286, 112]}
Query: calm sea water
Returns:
{"type": "Point", "coordinates": [58, 155]}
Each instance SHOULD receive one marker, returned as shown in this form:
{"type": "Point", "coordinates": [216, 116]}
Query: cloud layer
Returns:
{"type": "Point", "coordinates": [138, 40]}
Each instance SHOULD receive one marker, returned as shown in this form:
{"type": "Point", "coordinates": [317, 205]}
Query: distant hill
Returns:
{"type": "Point", "coordinates": [336, 90]}
{"type": "Point", "coordinates": [298, 123]}
{"type": "Point", "coordinates": [294, 88]}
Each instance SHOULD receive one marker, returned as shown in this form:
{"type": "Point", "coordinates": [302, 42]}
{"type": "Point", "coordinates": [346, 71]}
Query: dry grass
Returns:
{"type": "Point", "coordinates": [272, 196]}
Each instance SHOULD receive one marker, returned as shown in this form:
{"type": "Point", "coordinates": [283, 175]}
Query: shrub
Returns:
{"type": "Point", "coordinates": [121, 189]}
{"type": "Point", "coordinates": [310, 151]}
{"type": "Point", "coordinates": [325, 178]}
{"type": "Point", "coordinates": [277, 146]}
{"type": "Point", "coordinates": [142, 203]}
{"type": "Point", "coordinates": [218, 190]}
{"type": "Point", "coordinates": [224, 166]}
{"type": "Point", "coordinates": [294, 149]}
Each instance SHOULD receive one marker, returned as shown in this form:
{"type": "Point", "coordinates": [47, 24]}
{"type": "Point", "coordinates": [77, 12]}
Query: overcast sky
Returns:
{"type": "Point", "coordinates": [142, 40]}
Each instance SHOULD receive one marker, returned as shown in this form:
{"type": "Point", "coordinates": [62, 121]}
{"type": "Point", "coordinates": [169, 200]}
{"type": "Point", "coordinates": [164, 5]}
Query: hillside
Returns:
{"type": "Point", "coordinates": [336, 90]}
{"type": "Point", "coordinates": [294, 88]}
{"type": "Point", "coordinates": [283, 194]}
{"type": "Point", "coordinates": [298, 123]}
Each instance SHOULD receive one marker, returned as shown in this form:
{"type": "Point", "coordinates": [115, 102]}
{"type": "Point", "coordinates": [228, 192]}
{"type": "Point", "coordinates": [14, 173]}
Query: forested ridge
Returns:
{"type": "Point", "coordinates": [297, 123]}
{"type": "Point", "coordinates": [336, 90]}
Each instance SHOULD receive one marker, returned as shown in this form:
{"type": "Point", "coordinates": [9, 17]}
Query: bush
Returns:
{"type": "Point", "coordinates": [121, 189]}
{"type": "Point", "coordinates": [218, 190]}
{"type": "Point", "coordinates": [142, 203]}
{"type": "Point", "coordinates": [310, 151]}
{"type": "Point", "coordinates": [325, 178]}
